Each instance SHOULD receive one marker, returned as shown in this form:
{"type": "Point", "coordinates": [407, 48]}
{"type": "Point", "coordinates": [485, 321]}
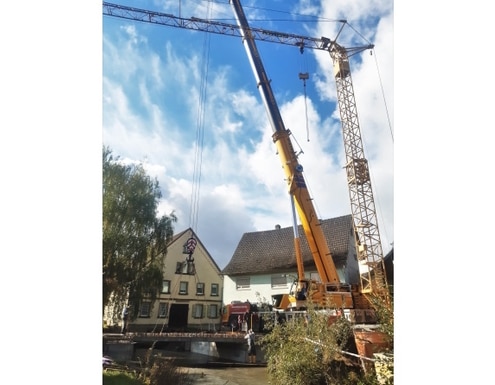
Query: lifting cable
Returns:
{"type": "Point", "coordinates": [304, 76]}
{"type": "Point", "coordinates": [380, 79]}
{"type": "Point", "coordinates": [383, 95]}
{"type": "Point", "coordinates": [195, 194]}
{"type": "Point", "coordinates": [377, 201]}
{"type": "Point", "coordinates": [198, 156]}
{"type": "Point", "coordinates": [382, 227]}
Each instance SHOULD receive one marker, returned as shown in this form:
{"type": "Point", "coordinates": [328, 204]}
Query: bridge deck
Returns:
{"type": "Point", "coordinates": [232, 337]}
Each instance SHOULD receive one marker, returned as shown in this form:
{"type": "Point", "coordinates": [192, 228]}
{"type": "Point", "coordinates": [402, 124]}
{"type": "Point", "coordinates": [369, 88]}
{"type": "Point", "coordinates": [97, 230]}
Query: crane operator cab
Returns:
{"type": "Point", "coordinates": [299, 294]}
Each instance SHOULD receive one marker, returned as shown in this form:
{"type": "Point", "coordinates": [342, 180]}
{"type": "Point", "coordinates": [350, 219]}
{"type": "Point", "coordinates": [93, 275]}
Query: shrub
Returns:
{"type": "Point", "coordinates": [167, 372]}
{"type": "Point", "coordinates": [302, 351]}
{"type": "Point", "coordinates": [313, 351]}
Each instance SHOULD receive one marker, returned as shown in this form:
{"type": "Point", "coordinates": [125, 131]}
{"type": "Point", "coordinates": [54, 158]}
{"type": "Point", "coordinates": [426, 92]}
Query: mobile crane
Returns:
{"type": "Point", "coordinates": [330, 292]}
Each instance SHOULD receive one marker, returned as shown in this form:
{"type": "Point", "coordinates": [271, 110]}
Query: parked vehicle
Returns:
{"type": "Point", "coordinates": [238, 314]}
{"type": "Point", "coordinates": [108, 362]}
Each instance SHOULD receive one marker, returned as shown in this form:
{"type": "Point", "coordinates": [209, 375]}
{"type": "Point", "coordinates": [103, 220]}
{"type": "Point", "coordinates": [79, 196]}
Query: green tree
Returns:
{"type": "Point", "coordinates": [135, 238]}
{"type": "Point", "coordinates": [315, 349]}
{"type": "Point", "coordinates": [309, 350]}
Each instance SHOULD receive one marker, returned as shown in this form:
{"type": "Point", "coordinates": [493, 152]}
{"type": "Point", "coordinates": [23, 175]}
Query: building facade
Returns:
{"type": "Point", "coordinates": [191, 295]}
{"type": "Point", "coordinates": [264, 262]}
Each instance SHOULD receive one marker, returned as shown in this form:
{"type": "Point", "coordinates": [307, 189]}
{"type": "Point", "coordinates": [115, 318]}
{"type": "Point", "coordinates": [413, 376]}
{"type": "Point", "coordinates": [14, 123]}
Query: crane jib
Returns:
{"type": "Point", "coordinates": [299, 180]}
{"type": "Point", "coordinates": [314, 233]}
{"type": "Point", "coordinates": [258, 69]}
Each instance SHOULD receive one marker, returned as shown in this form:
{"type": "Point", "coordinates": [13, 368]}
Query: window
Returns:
{"type": "Point", "coordinates": [279, 281]}
{"type": "Point", "coordinates": [165, 287]}
{"type": "Point", "coordinates": [198, 310]}
{"type": "Point", "coordinates": [183, 288]}
{"type": "Point", "coordinates": [243, 283]}
{"type": "Point", "coordinates": [181, 268]}
{"type": "Point", "coordinates": [145, 310]}
{"type": "Point", "coordinates": [214, 289]}
{"type": "Point", "coordinates": [185, 268]}
{"type": "Point", "coordinates": [200, 288]}
{"type": "Point", "coordinates": [213, 311]}
{"type": "Point", "coordinates": [163, 310]}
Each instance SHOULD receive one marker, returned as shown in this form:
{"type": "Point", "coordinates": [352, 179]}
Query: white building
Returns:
{"type": "Point", "coordinates": [264, 262]}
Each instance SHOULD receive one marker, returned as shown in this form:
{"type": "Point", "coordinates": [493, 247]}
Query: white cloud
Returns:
{"type": "Point", "coordinates": [154, 111]}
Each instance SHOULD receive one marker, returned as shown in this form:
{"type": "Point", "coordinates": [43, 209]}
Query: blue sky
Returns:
{"type": "Point", "coordinates": [164, 87]}
{"type": "Point", "coordinates": [54, 93]}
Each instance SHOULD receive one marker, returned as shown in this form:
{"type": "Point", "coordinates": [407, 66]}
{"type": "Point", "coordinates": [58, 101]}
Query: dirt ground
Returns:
{"type": "Point", "coordinates": [230, 376]}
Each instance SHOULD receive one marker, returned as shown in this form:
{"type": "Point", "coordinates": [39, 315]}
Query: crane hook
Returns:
{"type": "Point", "coordinates": [301, 46]}
{"type": "Point", "coordinates": [305, 76]}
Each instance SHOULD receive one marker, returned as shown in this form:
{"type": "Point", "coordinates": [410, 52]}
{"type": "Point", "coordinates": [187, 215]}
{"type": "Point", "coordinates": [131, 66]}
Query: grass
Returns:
{"type": "Point", "coordinates": [120, 378]}
{"type": "Point", "coordinates": [158, 372]}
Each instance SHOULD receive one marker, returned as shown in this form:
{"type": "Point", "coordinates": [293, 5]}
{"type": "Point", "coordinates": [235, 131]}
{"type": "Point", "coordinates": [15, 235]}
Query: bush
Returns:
{"type": "Point", "coordinates": [298, 351]}
{"type": "Point", "coordinates": [167, 372]}
{"type": "Point", "coordinates": [312, 351]}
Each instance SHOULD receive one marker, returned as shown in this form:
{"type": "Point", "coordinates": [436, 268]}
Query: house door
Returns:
{"type": "Point", "coordinates": [178, 316]}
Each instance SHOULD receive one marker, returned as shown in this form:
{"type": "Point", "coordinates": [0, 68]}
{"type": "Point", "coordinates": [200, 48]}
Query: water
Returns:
{"type": "Point", "coordinates": [230, 376]}
{"type": "Point", "coordinates": [206, 372]}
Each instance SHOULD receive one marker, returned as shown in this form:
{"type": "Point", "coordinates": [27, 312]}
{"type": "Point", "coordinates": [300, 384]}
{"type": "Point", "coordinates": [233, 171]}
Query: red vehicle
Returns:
{"type": "Point", "coordinates": [236, 313]}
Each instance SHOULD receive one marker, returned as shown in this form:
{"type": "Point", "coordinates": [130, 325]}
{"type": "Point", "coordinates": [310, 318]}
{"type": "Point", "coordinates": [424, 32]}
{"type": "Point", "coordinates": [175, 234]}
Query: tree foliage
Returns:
{"type": "Point", "coordinates": [135, 238]}
{"type": "Point", "coordinates": [309, 350]}
{"type": "Point", "coordinates": [313, 349]}
{"type": "Point", "coordinates": [384, 309]}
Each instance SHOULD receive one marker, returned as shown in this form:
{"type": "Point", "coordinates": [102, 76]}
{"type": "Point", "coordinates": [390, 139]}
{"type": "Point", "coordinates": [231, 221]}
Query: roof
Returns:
{"type": "Point", "coordinates": [273, 250]}
{"type": "Point", "coordinates": [179, 235]}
